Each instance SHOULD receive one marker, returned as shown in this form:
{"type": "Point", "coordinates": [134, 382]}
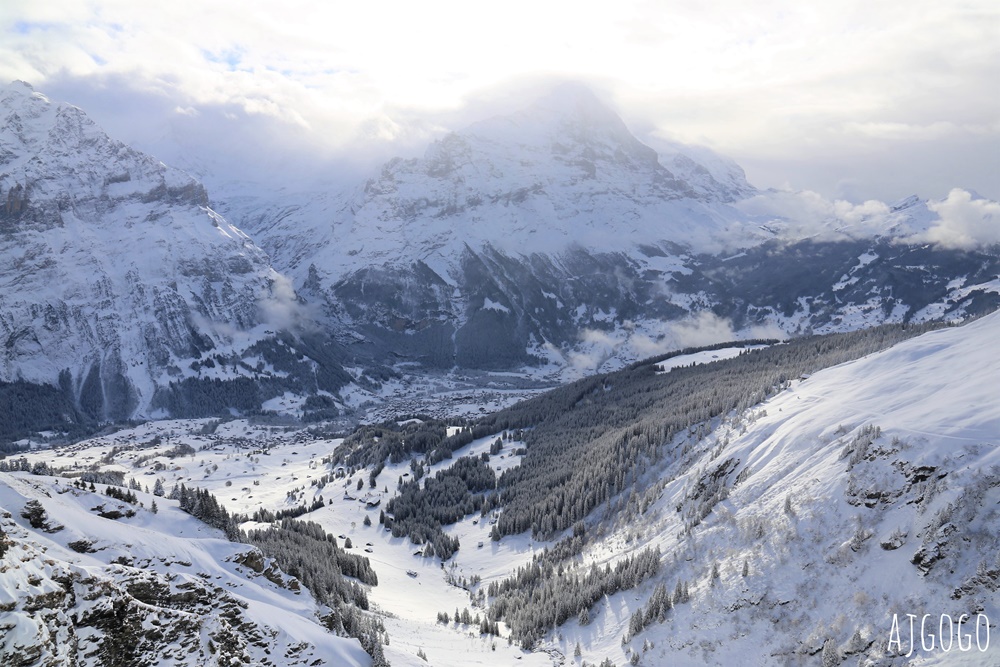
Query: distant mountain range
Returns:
{"type": "Point", "coordinates": [554, 236]}
{"type": "Point", "coordinates": [549, 241]}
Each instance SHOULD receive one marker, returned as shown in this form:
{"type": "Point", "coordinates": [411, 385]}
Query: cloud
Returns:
{"type": "Point", "coordinates": [697, 330]}
{"type": "Point", "coordinates": [644, 346]}
{"type": "Point", "coordinates": [281, 309]}
{"type": "Point", "coordinates": [808, 214]}
{"type": "Point", "coordinates": [596, 347]}
{"type": "Point", "coordinates": [599, 338]}
{"type": "Point", "coordinates": [707, 328]}
{"type": "Point", "coordinates": [816, 94]}
{"type": "Point", "coordinates": [703, 328]}
{"type": "Point", "coordinates": [908, 131]}
{"type": "Point", "coordinates": [964, 222]}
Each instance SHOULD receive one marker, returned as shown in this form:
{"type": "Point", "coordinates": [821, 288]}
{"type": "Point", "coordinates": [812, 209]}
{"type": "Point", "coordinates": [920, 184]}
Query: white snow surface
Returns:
{"type": "Point", "coordinates": [169, 547]}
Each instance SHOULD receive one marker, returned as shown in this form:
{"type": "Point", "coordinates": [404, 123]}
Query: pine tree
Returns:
{"type": "Point", "coordinates": [34, 513]}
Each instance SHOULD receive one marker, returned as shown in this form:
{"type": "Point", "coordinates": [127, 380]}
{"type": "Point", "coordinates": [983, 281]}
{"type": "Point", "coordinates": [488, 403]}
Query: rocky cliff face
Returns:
{"type": "Point", "coordinates": [115, 273]}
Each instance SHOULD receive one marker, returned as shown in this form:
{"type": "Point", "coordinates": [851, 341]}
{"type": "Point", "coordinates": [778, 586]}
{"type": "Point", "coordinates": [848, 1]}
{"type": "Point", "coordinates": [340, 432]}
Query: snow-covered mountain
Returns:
{"type": "Point", "coordinates": [550, 240]}
{"type": "Point", "coordinates": [563, 171]}
{"type": "Point", "coordinates": [116, 276]}
{"type": "Point", "coordinates": [553, 236]}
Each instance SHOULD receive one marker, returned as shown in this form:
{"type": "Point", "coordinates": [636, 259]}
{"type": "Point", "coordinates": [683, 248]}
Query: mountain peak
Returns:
{"type": "Point", "coordinates": [19, 86]}
{"type": "Point", "coordinates": [565, 114]}
{"type": "Point", "coordinates": [58, 152]}
{"type": "Point", "coordinates": [577, 102]}
{"type": "Point", "coordinates": [19, 97]}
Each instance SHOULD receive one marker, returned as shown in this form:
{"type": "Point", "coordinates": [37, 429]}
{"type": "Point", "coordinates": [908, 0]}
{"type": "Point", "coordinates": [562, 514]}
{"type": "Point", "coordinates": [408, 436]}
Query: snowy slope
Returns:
{"type": "Point", "coordinates": [841, 526]}
{"type": "Point", "coordinates": [149, 589]}
{"type": "Point", "coordinates": [258, 467]}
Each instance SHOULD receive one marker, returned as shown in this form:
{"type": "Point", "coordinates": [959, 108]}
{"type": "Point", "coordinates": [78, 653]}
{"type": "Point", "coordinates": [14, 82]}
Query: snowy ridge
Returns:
{"type": "Point", "coordinates": [866, 491]}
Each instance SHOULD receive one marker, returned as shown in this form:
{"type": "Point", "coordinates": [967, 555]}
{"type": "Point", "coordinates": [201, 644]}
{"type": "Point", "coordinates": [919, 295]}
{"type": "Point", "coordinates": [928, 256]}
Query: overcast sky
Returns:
{"type": "Point", "coordinates": [855, 99]}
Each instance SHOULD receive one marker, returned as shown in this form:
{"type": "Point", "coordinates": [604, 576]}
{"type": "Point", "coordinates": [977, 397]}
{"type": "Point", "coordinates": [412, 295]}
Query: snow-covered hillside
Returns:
{"type": "Point", "coordinates": [793, 532]}
{"type": "Point", "coordinates": [861, 494]}
{"type": "Point", "coordinates": [91, 580]}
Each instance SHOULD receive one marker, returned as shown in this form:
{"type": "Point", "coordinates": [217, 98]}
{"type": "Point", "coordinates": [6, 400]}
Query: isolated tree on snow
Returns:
{"type": "Point", "coordinates": [34, 513]}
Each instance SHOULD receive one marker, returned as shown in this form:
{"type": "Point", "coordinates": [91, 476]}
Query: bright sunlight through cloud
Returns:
{"type": "Point", "coordinates": [858, 99]}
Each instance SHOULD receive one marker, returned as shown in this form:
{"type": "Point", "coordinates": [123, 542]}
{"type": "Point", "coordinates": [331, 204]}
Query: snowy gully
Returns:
{"type": "Point", "coordinates": [945, 639]}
